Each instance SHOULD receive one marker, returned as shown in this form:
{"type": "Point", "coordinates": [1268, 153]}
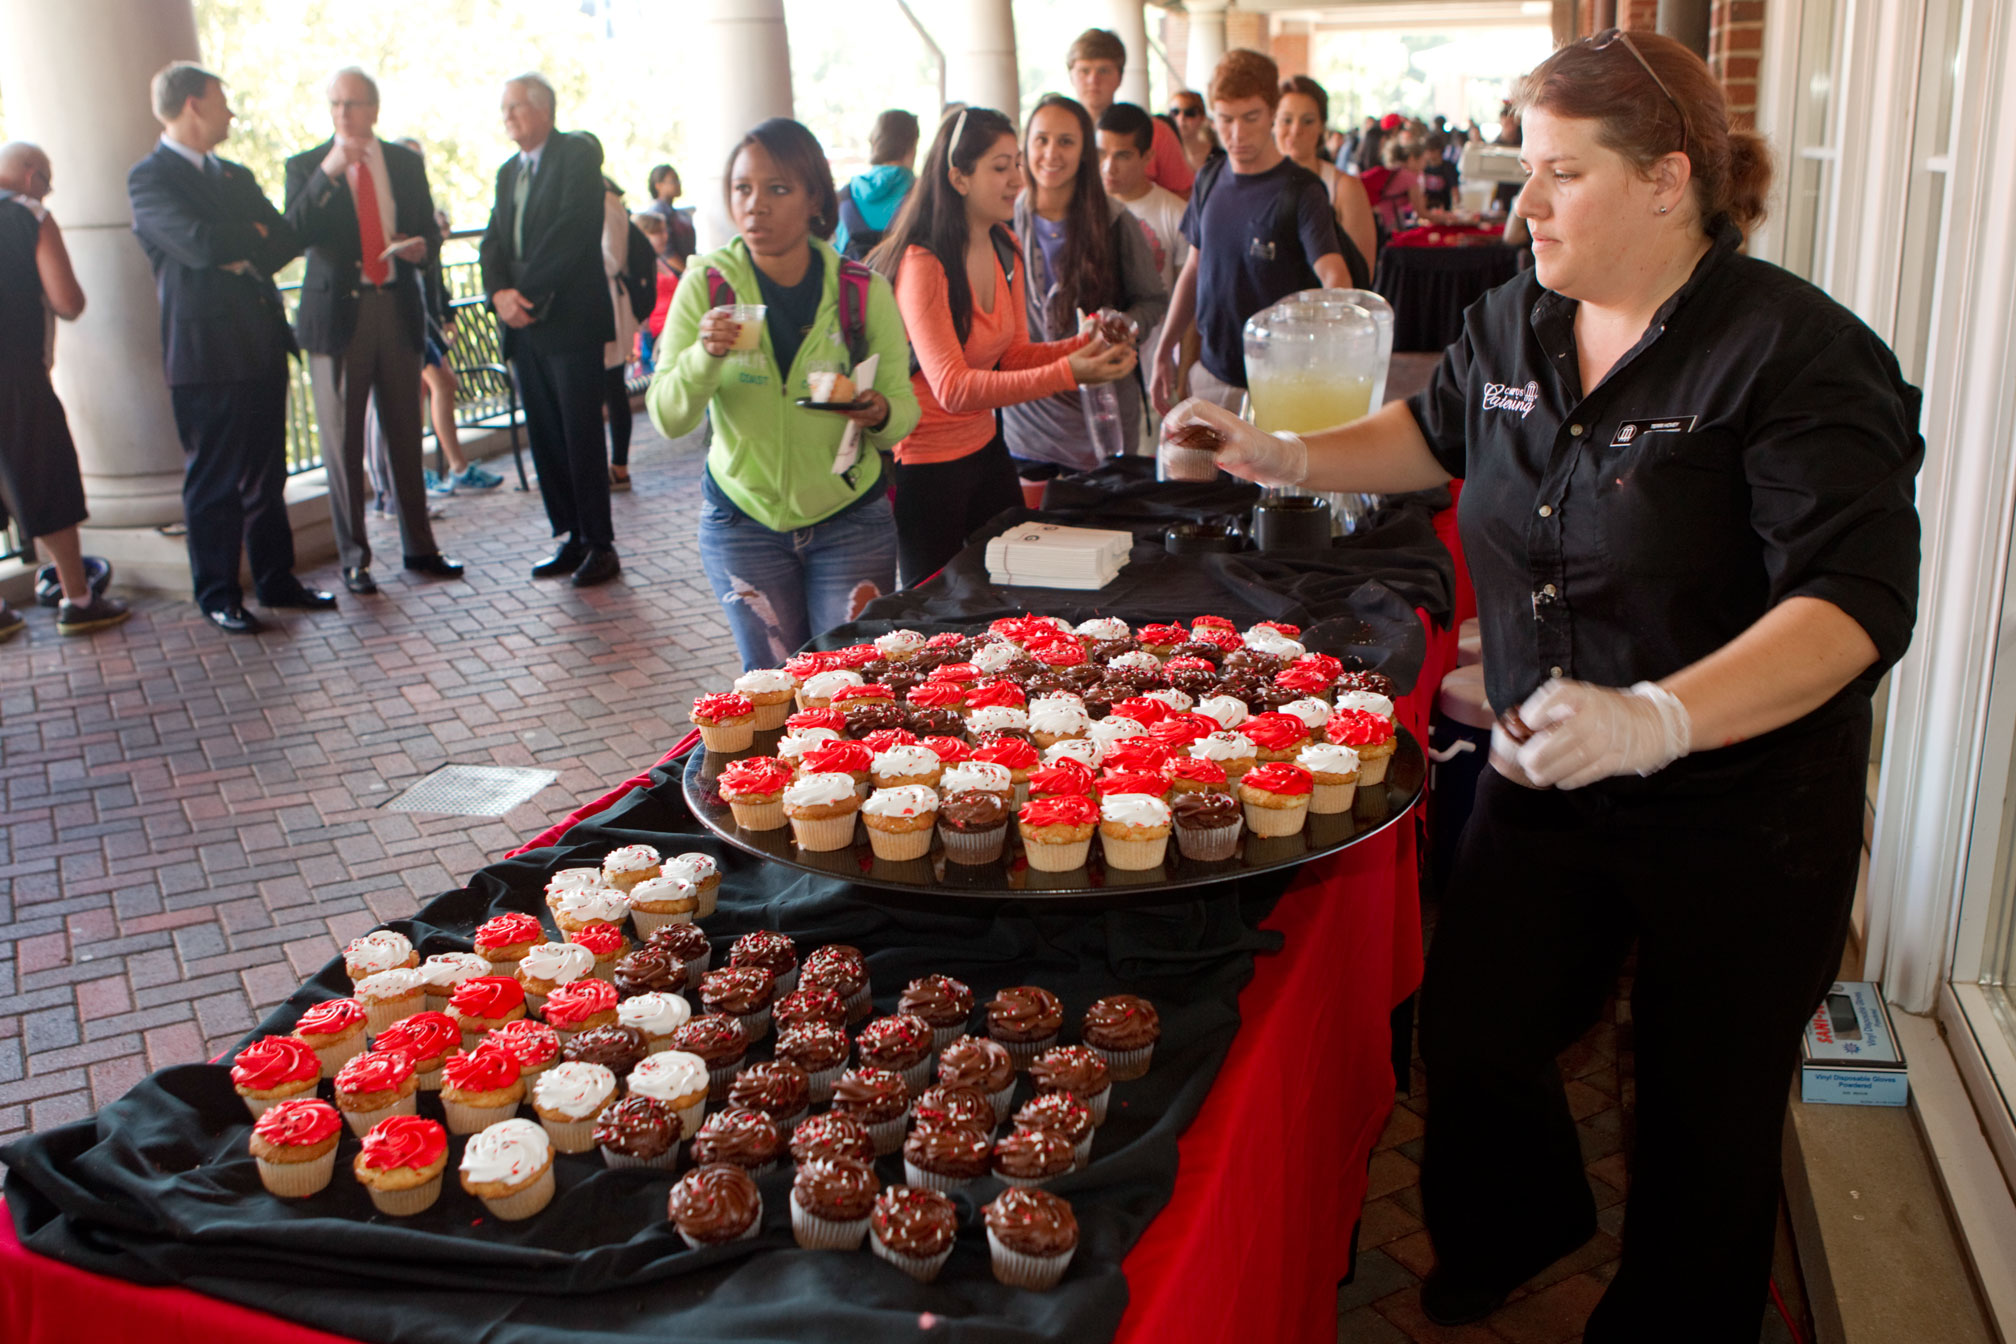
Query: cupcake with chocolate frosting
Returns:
{"type": "Point", "coordinates": [1033, 1236]}
{"type": "Point", "coordinates": [879, 1100]}
{"type": "Point", "coordinates": [715, 1205]}
{"type": "Point", "coordinates": [946, 1157]}
{"type": "Point", "coordinates": [976, 1062]}
{"type": "Point", "coordinates": [777, 1088]}
{"type": "Point", "coordinates": [832, 1135]}
{"type": "Point", "coordinates": [1207, 825]}
{"type": "Point", "coordinates": [945, 1005]}
{"type": "Point", "coordinates": [639, 1132]}
{"type": "Point", "coordinates": [831, 1198]}
{"type": "Point", "coordinates": [1024, 1020]}
{"type": "Point", "coordinates": [820, 1049]}
{"type": "Point", "coordinates": [1122, 1030]}
{"type": "Point", "coordinates": [1077, 1070]}
{"type": "Point", "coordinates": [739, 1137]}
{"type": "Point", "coordinates": [914, 1230]}
{"type": "Point", "coordinates": [1030, 1157]}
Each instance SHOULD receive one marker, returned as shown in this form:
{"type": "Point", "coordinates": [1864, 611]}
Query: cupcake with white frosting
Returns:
{"type": "Point", "coordinates": [656, 1015]}
{"type": "Point", "coordinates": [1115, 728]}
{"type": "Point", "coordinates": [1334, 768]}
{"type": "Point", "coordinates": [900, 821]}
{"type": "Point", "coordinates": [822, 810]}
{"type": "Point", "coordinates": [1229, 711]}
{"type": "Point", "coordinates": [997, 719]}
{"type": "Point", "coordinates": [819, 689]}
{"type": "Point", "coordinates": [568, 1097]}
{"type": "Point", "coordinates": [899, 646]}
{"type": "Point", "coordinates": [663, 900]}
{"type": "Point", "coordinates": [679, 1079]}
{"type": "Point", "coordinates": [1133, 830]}
{"type": "Point", "coordinates": [1234, 752]}
{"type": "Point", "coordinates": [624, 868]}
{"type": "Point", "coordinates": [509, 1166]}
{"type": "Point", "coordinates": [444, 973]}
{"type": "Point", "coordinates": [378, 950]}
{"type": "Point", "coordinates": [905, 764]}
{"type": "Point", "coordinates": [1085, 750]}
{"type": "Point", "coordinates": [770, 690]}
{"type": "Point", "coordinates": [388, 996]}
{"type": "Point", "coordinates": [576, 910]}
{"type": "Point", "coordinates": [1314, 713]}
{"type": "Point", "coordinates": [548, 966]}
{"type": "Point", "coordinates": [1052, 721]}
{"type": "Point", "coordinates": [705, 875]}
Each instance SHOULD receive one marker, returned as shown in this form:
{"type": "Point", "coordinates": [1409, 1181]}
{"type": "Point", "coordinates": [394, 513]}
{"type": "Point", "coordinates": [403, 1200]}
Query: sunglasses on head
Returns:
{"type": "Point", "coordinates": [1617, 36]}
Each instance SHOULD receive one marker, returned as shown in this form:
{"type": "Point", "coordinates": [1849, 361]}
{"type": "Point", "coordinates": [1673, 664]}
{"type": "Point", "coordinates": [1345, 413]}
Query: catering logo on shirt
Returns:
{"type": "Point", "coordinates": [1629, 431]}
{"type": "Point", "coordinates": [1502, 397]}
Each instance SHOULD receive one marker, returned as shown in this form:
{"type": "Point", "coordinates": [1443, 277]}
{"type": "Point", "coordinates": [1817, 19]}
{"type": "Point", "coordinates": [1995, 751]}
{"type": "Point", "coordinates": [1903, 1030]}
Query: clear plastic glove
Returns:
{"type": "Point", "coordinates": [1583, 733]}
{"type": "Point", "coordinates": [1270, 459]}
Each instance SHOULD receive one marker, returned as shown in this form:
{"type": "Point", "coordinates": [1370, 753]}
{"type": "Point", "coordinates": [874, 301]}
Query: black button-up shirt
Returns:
{"type": "Point", "coordinates": [1758, 443]}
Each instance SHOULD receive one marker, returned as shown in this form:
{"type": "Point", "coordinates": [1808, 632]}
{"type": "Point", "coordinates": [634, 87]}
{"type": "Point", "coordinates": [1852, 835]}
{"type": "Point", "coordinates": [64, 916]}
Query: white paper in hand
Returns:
{"type": "Point", "coordinates": [850, 442]}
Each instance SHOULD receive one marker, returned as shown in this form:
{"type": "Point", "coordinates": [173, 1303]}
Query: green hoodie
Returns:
{"type": "Point", "coordinates": [775, 459]}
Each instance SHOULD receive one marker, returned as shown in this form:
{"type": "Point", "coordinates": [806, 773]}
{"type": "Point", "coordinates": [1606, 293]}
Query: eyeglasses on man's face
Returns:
{"type": "Point", "coordinates": [1181, 111]}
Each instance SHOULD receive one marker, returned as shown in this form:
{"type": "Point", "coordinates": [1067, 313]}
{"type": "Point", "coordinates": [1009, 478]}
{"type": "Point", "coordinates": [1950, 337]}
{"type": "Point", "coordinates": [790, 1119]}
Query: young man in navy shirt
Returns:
{"type": "Point", "coordinates": [1242, 256]}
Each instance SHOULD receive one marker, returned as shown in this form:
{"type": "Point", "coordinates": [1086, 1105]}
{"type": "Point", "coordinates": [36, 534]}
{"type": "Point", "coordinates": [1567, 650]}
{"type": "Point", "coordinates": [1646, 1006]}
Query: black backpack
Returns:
{"type": "Point", "coordinates": [1286, 231]}
{"type": "Point", "coordinates": [640, 273]}
{"type": "Point", "coordinates": [861, 239]}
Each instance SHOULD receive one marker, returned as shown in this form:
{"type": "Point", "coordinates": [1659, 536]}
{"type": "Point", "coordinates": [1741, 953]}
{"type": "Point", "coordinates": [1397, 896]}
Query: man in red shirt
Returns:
{"type": "Point", "coordinates": [1096, 61]}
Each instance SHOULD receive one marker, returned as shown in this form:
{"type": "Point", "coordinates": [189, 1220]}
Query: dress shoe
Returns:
{"type": "Point", "coordinates": [436, 566]}
{"type": "Point", "coordinates": [358, 579]}
{"type": "Point", "coordinates": [565, 561]}
{"type": "Point", "coordinates": [300, 598]}
{"type": "Point", "coordinates": [234, 620]}
{"type": "Point", "coordinates": [1452, 1299]}
{"type": "Point", "coordinates": [98, 614]}
{"type": "Point", "coordinates": [599, 565]}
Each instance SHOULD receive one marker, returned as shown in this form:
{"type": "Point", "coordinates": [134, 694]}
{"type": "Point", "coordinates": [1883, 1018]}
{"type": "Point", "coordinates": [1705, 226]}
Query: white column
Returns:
{"type": "Point", "coordinates": [76, 79]}
{"type": "Point", "coordinates": [1126, 19]}
{"type": "Point", "coordinates": [1206, 43]}
{"type": "Point", "coordinates": [744, 77]}
{"type": "Point", "coordinates": [983, 70]}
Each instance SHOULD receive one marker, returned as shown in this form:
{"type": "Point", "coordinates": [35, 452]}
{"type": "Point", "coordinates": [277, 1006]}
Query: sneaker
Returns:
{"type": "Point", "coordinates": [10, 622]}
{"type": "Point", "coordinates": [438, 484]}
{"type": "Point", "coordinates": [474, 477]}
{"type": "Point", "coordinates": [97, 614]}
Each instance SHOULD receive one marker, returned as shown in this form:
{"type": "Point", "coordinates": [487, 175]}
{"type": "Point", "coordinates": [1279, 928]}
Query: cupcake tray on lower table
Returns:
{"type": "Point", "coordinates": [1376, 807]}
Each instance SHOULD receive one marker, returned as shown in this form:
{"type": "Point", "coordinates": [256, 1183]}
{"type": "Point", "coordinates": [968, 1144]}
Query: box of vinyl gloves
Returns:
{"type": "Point", "coordinates": [1850, 1056]}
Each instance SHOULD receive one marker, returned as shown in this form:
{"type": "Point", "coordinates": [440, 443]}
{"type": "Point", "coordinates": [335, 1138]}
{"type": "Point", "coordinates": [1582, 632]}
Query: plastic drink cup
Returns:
{"type": "Point", "coordinates": [750, 316]}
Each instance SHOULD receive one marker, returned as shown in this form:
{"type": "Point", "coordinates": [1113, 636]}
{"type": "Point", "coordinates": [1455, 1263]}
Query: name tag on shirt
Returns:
{"type": "Point", "coordinates": [1630, 431]}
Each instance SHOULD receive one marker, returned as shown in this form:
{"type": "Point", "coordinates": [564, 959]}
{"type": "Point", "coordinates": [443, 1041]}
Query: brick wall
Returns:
{"type": "Point", "coordinates": [1735, 44]}
{"type": "Point", "coordinates": [1291, 53]}
{"type": "Point", "coordinates": [1638, 15]}
{"type": "Point", "coordinates": [1246, 29]}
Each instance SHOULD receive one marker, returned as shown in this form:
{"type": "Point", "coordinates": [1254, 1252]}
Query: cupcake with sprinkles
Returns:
{"type": "Point", "coordinates": [334, 1030]}
{"type": "Point", "coordinates": [509, 1166]}
{"type": "Point", "coordinates": [401, 1165]}
{"type": "Point", "coordinates": [624, 868]}
{"type": "Point", "coordinates": [505, 940]}
{"type": "Point", "coordinates": [275, 1069]}
{"type": "Point", "coordinates": [294, 1143]}
{"type": "Point", "coordinates": [727, 721]}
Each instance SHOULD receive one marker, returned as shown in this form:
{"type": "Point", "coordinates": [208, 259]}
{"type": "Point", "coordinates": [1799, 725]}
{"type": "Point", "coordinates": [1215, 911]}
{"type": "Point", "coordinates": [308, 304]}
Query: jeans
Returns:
{"type": "Point", "coordinates": [781, 588]}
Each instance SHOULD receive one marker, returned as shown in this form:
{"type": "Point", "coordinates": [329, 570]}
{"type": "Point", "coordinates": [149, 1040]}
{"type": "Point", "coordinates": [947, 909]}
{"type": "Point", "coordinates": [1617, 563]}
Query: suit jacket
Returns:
{"type": "Point", "coordinates": [324, 214]}
{"type": "Point", "coordinates": [561, 272]}
{"type": "Point", "coordinates": [217, 325]}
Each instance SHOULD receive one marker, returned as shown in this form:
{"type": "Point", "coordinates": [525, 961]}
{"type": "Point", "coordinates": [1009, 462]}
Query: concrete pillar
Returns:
{"type": "Point", "coordinates": [744, 77]}
{"type": "Point", "coordinates": [1126, 18]}
{"type": "Point", "coordinates": [1207, 43]}
{"type": "Point", "coordinates": [76, 80]}
{"type": "Point", "coordinates": [984, 72]}
{"type": "Point", "coordinates": [1686, 22]}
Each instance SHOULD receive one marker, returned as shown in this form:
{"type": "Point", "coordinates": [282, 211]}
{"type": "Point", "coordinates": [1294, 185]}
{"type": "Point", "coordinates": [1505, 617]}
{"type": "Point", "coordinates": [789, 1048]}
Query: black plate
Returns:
{"type": "Point", "coordinates": [1376, 807]}
{"type": "Point", "coordinates": [858, 404]}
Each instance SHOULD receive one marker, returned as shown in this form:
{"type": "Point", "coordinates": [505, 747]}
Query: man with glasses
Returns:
{"type": "Point", "coordinates": [1096, 62]}
{"type": "Point", "coordinates": [364, 212]}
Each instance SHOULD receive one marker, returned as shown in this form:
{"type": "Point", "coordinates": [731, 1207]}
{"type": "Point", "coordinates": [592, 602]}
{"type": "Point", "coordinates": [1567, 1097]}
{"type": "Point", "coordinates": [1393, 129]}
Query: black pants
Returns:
{"type": "Point", "coordinates": [1735, 880]}
{"type": "Point", "coordinates": [563, 396]}
{"type": "Point", "coordinates": [616, 396]}
{"type": "Point", "coordinates": [941, 504]}
{"type": "Point", "coordinates": [234, 440]}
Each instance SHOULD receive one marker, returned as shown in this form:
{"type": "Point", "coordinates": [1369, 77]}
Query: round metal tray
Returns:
{"type": "Point", "coordinates": [1010, 878]}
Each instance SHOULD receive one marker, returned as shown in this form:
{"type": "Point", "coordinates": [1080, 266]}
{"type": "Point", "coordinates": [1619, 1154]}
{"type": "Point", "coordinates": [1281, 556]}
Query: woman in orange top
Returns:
{"type": "Point", "coordinates": [964, 310]}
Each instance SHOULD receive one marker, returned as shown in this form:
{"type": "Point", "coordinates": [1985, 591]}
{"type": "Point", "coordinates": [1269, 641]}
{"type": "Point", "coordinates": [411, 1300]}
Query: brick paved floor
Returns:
{"type": "Point", "coordinates": [192, 823]}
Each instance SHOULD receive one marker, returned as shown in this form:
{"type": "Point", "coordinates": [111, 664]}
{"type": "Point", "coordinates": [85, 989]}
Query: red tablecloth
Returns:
{"type": "Point", "coordinates": [1270, 1177]}
{"type": "Point", "coordinates": [1447, 235]}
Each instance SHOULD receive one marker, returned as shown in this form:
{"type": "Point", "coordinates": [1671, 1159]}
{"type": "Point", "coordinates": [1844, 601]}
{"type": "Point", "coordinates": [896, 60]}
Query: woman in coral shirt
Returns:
{"type": "Point", "coordinates": [959, 288]}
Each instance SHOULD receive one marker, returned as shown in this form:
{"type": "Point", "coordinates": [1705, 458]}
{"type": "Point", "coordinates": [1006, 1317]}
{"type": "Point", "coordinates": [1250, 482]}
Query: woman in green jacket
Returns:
{"type": "Point", "coordinates": [795, 533]}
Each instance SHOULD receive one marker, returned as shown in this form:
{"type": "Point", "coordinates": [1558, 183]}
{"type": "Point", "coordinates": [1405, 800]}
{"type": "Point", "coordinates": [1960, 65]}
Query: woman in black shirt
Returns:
{"type": "Point", "coordinates": [1688, 513]}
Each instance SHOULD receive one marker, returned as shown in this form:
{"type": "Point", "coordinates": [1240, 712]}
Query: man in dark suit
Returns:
{"type": "Point", "coordinates": [215, 242]}
{"type": "Point", "coordinates": [542, 268]}
{"type": "Point", "coordinates": [363, 210]}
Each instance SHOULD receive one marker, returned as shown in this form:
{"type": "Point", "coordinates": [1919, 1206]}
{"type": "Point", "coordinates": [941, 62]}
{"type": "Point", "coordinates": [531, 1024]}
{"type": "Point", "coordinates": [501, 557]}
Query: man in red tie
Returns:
{"type": "Point", "coordinates": [363, 209]}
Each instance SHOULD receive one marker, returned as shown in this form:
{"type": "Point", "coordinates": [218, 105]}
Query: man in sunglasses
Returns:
{"type": "Point", "coordinates": [1096, 61]}
{"type": "Point", "coordinates": [1193, 128]}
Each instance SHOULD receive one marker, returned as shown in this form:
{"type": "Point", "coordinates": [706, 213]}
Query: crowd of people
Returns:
{"type": "Point", "coordinates": [1039, 291]}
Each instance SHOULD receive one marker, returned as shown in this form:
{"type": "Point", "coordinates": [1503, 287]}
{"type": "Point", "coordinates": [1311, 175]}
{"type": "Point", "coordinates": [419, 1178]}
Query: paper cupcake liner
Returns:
{"type": "Point", "coordinates": [918, 1076]}
{"type": "Point", "coordinates": [888, 1134]}
{"type": "Point", "coordinates": [334, 1057]}
{"type": "Point", "coordinates": [826, 1234]}
{"type": "Point", "coordinates": [1026, 1182]}
{"type": "Point", "coordinates": [823, 835]}
{"type": "Point", "coordinates": [1273, 821]}
{"type": "Point", "coordinates": [710, 896]}
{"type": "Point", "coordinates": [665, 1161]}
{"type": "Point", "coordinates": [534, 1002]}
{"type": "Point", "coordinates": [755, 1025]}
{"type": "Point", "coordinates": [823, 1081]}
{"type": "Point", "coordinates": [719, 1079]}
{"type": "Point", "coordinates": [944, 1036]}
{"type": "Point", "coordinates": [530, 1200]}
{"type": "Point", "coordinates": [729, 737]}
{"type": "Point", "coordinates": [899, 846]}
{"type": "Point", "coordinates": [1372, 769]}
{"type": "Point", "coordinates": [1135, 855]}
{"type": "Point", "coordinates": [699, 966]}
{"type": "Point", "coordinates": [361, 1121]}
{"type": "Point", "coordinates": [406, 1203]}
{"type": "Point", "coordinates": [1083, 1152]}
{"type": "Point", "coordinates": [747, 1234]}
{"type": "Point", "coordinates": [429, 1079]}
{"type": "Point", "coordinates": [1098, 1102]}
{"type": "Point", "coordinates": [378, 1016]}
{"type": "Point", "coordinates": [922, 1268]}
{"type": "Point", "coordinates": [570, 1136]}
{"type": "Point", "coordinates": [1211, 845]}
{"type": "Point", "coordinates": [759, 816]}
{"type": "Point", "coordinates": [1017, 1270]}
{"type": "Point", "coordinates": [1050, 858]}
{"type": "Point", "coordinates": [1023, 1053]}
{"type": "Point", "coordinates": [769, 718]}
{"type": "Point", "coordinates": [786, 983]}
{"type": "Point", "coordinates": [463, 1118]}
{"type": "Point", "coordinates": [690, 1118]}
{"type": "Point", "coordinates": [260, 1105]}
{"type": "Point", "coordinates": [860, 1004]}
{"type": "Point", "coordinates": [1329, 799]}
{"type": "Point", "coordinates": [1003, 1103]}
{"type": "Point", "coordinates": [1125, 1065]}
{"type": "Point", "coordinates": [931, 1180]}
{"type": "Point", "coordinates": [297, 1180]}
{"type": "Point", "coordinates": [973, 848]}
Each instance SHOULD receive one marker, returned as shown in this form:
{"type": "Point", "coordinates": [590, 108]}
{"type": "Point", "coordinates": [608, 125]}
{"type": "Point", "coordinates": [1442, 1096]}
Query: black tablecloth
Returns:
{"type": "Point", "coordinates": [158, 1188]}
{"type": "Point", "coordinates": [1429, 287]}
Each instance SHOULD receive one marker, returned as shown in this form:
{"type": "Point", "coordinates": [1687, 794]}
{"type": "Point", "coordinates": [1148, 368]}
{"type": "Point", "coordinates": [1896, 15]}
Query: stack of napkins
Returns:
{"type": "Point", "coordinates": [1050, 555]}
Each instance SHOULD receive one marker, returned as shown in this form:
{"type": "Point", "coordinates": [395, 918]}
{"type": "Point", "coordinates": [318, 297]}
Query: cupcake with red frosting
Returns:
{"type": "Point", "coordinates": [503, 941]}
{"type": "Point", "coordinates": [375, 1085]}
{"type": "Point", "coordinates": [1369, 734]}
{"type": "Point", "coordinates": [753, 788]}
{"type": "Point", "coordinates": [485, 1003]}
{"type": "Point", "coordinates": [1057, 833]}
{"type": "Point", "coordinates": [1194, 774]}
{"type": "Point", "coordinates": [534, 1045]}
{"type": "Point", "coordinates": [727, 721]}
{"type": "Point", "coordinates": [1276, 736]}
{"type": "Point", "coordinates": [295, 1145]}
{"type": "Point", "coordinates": [429, 1038]}
{"type": "Point", "coordinates": [480, 1087]}
{"type": "Point", "coordinates": [334, 1030]}
{"type": "Point", "coordinates": [606, 941]}
{"type": "Point", "coordinates": [578, 1006]}
{"type": "Point", "coordinates": [401, 1165]}
{"type": "Point", "coordinates": [275, 1069]}
{"type": "Point", "coordinates": [1276, 796]}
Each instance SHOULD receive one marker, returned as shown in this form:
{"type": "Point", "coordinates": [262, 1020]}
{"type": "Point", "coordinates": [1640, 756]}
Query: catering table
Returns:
{"type": "Point", "coordinates": [1220, 1202]}
{"type": "Point", "coordinates": [1429, 287]}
